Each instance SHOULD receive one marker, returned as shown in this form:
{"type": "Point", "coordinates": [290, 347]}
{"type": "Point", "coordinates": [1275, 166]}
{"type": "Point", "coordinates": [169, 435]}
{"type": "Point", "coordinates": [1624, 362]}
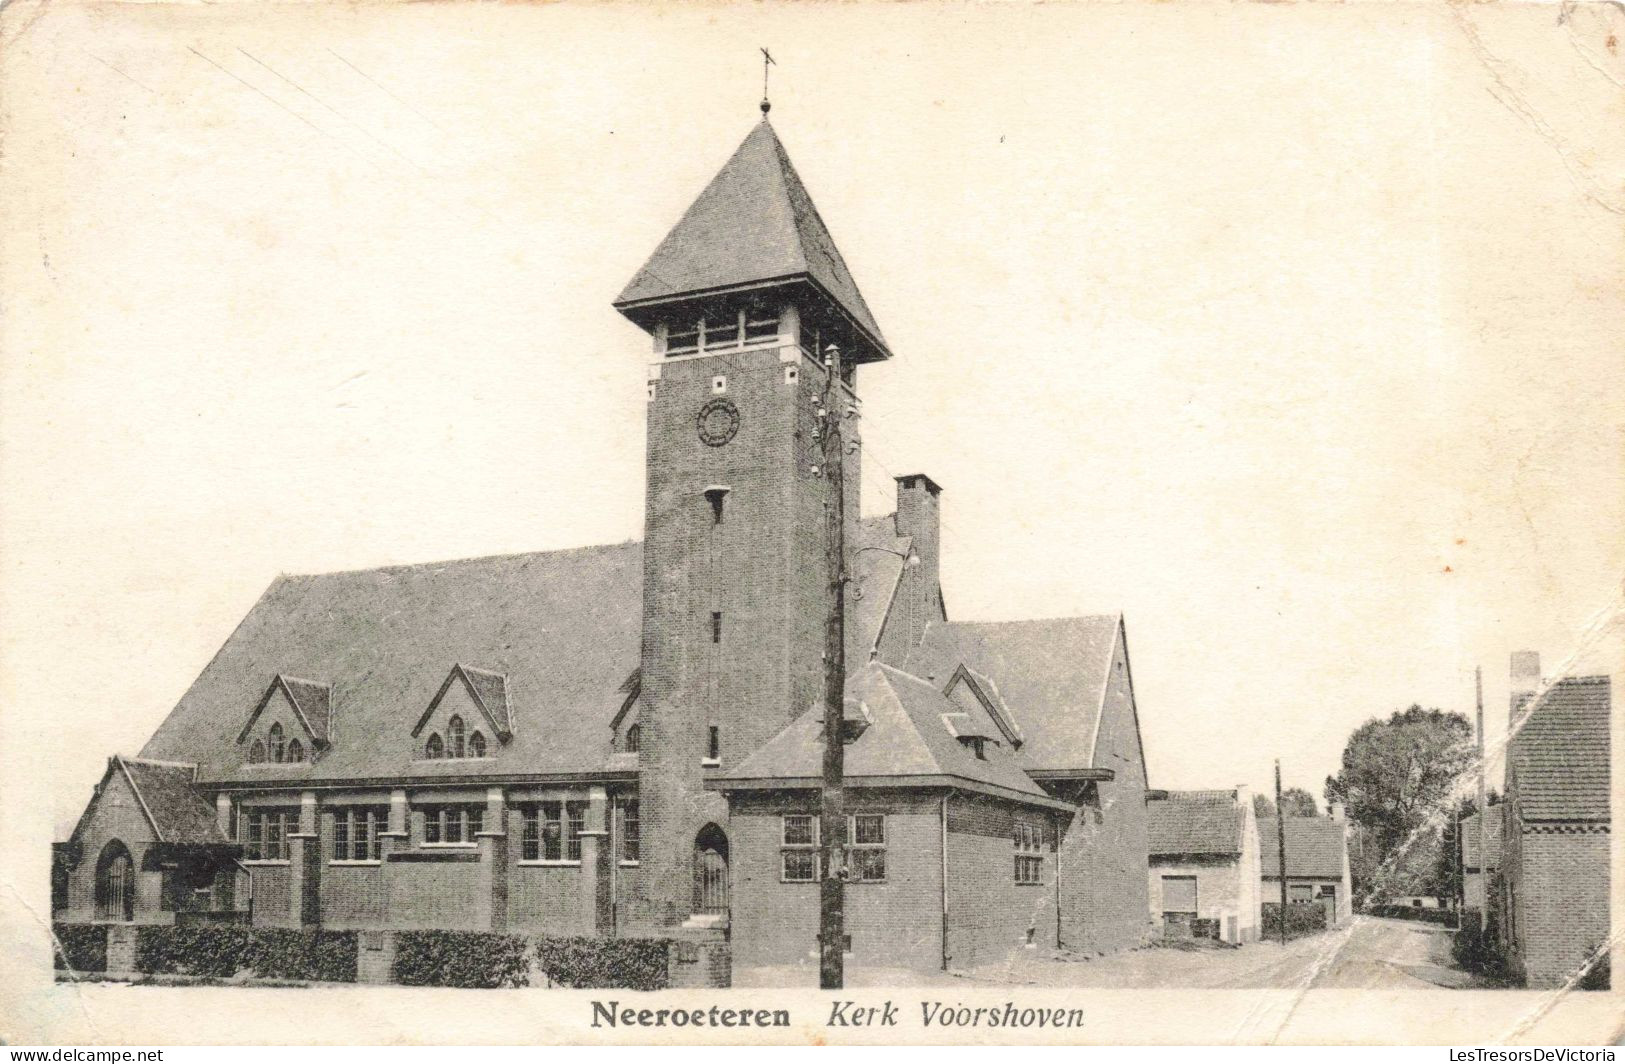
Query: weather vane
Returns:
{"type": "Point", "coordinates": [767, 61]}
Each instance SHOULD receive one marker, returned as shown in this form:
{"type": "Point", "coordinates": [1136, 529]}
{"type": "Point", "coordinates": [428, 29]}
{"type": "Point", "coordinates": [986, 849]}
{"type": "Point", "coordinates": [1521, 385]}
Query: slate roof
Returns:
{"type": "Point", "coordinates": [1559, 757]}
{"type": "Point", "coordinates": [556, 636]}
{"type": "Point", "coordinates": [878, 573]}
{"type": "Point", "coordinates": [560, 630]}
{"type": "Point", "coordinates": [1315, 847]}
{"type": "Point", "coordinates": [907, 737]}
{"type": "Point", "coordinates": [754, 222]}
{"type": "Point", "coordinates": [1051, 675]}
{"type": "Point", "coordinates": [179, 814]}
{"type": "Point", "coordinates": [1469, 839]}
{"type": "Point", "coordinates": [1195, 823]}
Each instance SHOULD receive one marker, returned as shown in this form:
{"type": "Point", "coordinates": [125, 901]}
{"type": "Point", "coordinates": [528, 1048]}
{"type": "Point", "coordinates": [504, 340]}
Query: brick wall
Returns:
{"type": "Point", "coordinates": [763, 568]}
{"type": "Point", "coordinates": [1223, 892]}
{"type": "Point", "coordinates": [117, 816]}
{"type": "Point", "coordinates": [1105, 902]}
{"type": "Point", "coordinates": [1563, 903]}
{"type": "Point", "coordinates": [990, 915]}
{"type": "Point", "coordinates": [895, 924]}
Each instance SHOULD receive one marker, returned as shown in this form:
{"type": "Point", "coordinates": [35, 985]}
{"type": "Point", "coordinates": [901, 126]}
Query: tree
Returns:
{"type": "Point", "coordinates": [1295, 801]}
{"type": "Point", "coordinates": [1396, 775]}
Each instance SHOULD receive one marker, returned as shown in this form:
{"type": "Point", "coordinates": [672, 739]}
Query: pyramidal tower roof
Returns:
{"type": "Point", "coordinates": [753, 227]}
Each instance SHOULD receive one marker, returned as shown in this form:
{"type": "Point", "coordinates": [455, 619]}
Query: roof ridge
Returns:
{"type": "Point", "coordinates": [1034, 620]}
{"type": "Point", "coordinates": [446, 562]}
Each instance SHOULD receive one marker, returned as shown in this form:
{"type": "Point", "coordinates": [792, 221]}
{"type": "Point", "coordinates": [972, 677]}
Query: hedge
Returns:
{"type": "Point", "coordinates": [80, 947]}
{"type": "Point", "coordinates": [482, 959]}
{"type": "Point", "coordinates": [604, 963]}
{"type": "Point", "coordinates": [1302, 918]}
{"type": "Point", "coordinates": [165, 949]}
{"type": "Point", "coordinates": [287, 953]}
{"type": "Point", "coordinates": [268, 952]}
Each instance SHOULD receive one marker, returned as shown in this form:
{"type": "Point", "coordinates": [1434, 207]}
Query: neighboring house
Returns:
{"type": "Point", "coordinates": [615, 739]}
{"type": "Point", "coordinates": [1317, 862]}
{"type": "Point", "coordinates": [1556, 818]}
{"type": "Point", "coordinates": [1205, 873]}
{"type": "Point", "coordinates": [1473, 869]}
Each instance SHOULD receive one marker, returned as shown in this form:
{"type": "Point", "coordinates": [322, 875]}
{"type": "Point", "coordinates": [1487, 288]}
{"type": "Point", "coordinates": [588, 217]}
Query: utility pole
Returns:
{"type": "Point", "coordinates": [1483, 807]}
{"type": "Point", "coordinates": [1280, 838]}
{"type": "Point", "coordinates": [832, 812]}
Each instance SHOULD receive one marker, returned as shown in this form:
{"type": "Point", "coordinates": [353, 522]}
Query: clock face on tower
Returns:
{"type": "Point", "coordinates": [718, 421]}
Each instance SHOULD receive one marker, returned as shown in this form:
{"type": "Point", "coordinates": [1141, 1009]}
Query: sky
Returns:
{"type": "Point", "coordinates": [1290, 332]}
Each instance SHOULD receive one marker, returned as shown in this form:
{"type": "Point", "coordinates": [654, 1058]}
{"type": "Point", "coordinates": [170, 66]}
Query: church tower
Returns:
{"type": "Point", "coordinates": [740, 300]}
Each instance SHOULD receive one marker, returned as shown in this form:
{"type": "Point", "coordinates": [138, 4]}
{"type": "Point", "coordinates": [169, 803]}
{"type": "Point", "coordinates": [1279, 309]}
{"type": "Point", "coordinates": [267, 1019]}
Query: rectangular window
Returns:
{"type": "Point", "coordinates": [798, 861]}
{"type": "Point", "coordinates": [683, 339]}
{"type": "Point", "coordinates": [552, 831]}
{"type": "Point", "coordinates": [356, 832]}
{"type": "Point", "coordinates": [721, 330]}
{"type": "Point", "coordinates": [631, 839]}
{"type": "Point", "coordinates": [760, 326]}
{"type": "Point", "coordinates": [868, 848]}
{"type": "Point", "coordinates": [1029, 842]}
{"type": "Point", "coordinates": [530, 833]}
{"type": "Point", "coordinates": [576, 823]}
{"type": "Point", "coordinates": [713, 743]}
{"type": "Point", "coordinates": [716, 627]}
{"type": "Point", "coordinates": [265, 833]}
{"type": "Point", "coordinates": [452, 825]}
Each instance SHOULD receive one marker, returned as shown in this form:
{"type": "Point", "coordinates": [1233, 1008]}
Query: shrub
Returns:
{"type": "Point", "coordinates": [603, 963]}
{"type": "Point", "coordinates": [287, 953]}
{"type": "Point", "coordinates": [166, 949]}
{"type": "Point", "coordinates": [480, 959]}
{"type": "Point", "coordinates": [80, 947]}
{"type": "Point", "coordinates": [1597, 976]}
{"type": "Point", "coordinates": [1476, 950]}
{"type": "Point", "coordinates": [1302, 918]}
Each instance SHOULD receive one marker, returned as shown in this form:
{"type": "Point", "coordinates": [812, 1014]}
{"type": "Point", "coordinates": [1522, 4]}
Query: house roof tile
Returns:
{"type": "Point", "coordinates": [1195, 823]}
{"type": "Point", "coordinates": [1051, 675]}
{"type": "Point", "coordinates": [1315, 847]}
{"type": "Point", "coordinates": [1559, 757]}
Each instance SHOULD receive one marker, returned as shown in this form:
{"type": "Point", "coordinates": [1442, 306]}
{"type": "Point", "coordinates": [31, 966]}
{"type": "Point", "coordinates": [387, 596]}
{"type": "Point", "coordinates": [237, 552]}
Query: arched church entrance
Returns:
{"type": "Point", "coordinates": [711, 870]}
{"type": "Point", "coordinates": [115, 883]}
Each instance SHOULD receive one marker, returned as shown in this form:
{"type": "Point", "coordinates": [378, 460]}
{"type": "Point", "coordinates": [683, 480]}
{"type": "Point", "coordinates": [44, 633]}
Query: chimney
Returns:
{"type": "Point", "coordinates": [919, 509]}
{"type": "Point", "coordinates": [1244, 796]}
{"type": "Point", "coordinates": [1335, 810]}
{"type": "Point", "coordinates": [1525, 680]}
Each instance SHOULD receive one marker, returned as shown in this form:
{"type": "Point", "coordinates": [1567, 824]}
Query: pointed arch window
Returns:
{"type": "Point", "coordinates": [256, 753]}
{"type": "Point", "coordinates": [296, 750]}
{"type": "Point", "coordinates": [434, 749]}
{"type": "Point", "coordinates": [476, 745]}
{"type": "Point", "coordinates": [277, 749]}
{"type": "Point", "coordinates": [634, 739]}
{"type": "Point", "coordinates": [454, 737]}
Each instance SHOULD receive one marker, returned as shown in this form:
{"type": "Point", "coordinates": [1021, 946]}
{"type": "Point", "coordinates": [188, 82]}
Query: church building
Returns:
{"type": "Point", "coordinates": [621, 739]}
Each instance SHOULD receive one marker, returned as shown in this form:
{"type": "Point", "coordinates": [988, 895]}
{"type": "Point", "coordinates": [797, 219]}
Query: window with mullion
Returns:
{"type": "Point", "coordinates": [798, 860]}
{"type": "Point", "coordinates": [264, 833]}
{"type": "Point", "coordinates": [867, 833]}
{"type": "Point", "coordinates": [451, 825]}
{"type": "Point", "coordinates": [576, 814]}
{"type": "Point", "coordinates": [1029, 842]}
{"type": "Point", "coordinates": [356, 832]}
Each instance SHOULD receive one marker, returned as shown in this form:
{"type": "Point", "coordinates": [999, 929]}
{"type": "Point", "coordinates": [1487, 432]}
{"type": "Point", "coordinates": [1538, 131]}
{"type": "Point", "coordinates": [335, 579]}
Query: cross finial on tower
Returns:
{"type": "Point", "coordinates": [767, 61]}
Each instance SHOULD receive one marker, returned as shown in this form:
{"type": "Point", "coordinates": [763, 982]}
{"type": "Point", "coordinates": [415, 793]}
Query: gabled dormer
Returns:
{"type": "Point", "coordinates": [291, 724]}
{"type": "Point", "coordinates": [626, 731]}
{"type": "Point", "coordinates": [972, 691]}
{"type": "Point", "coordinates": [468, 718]}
